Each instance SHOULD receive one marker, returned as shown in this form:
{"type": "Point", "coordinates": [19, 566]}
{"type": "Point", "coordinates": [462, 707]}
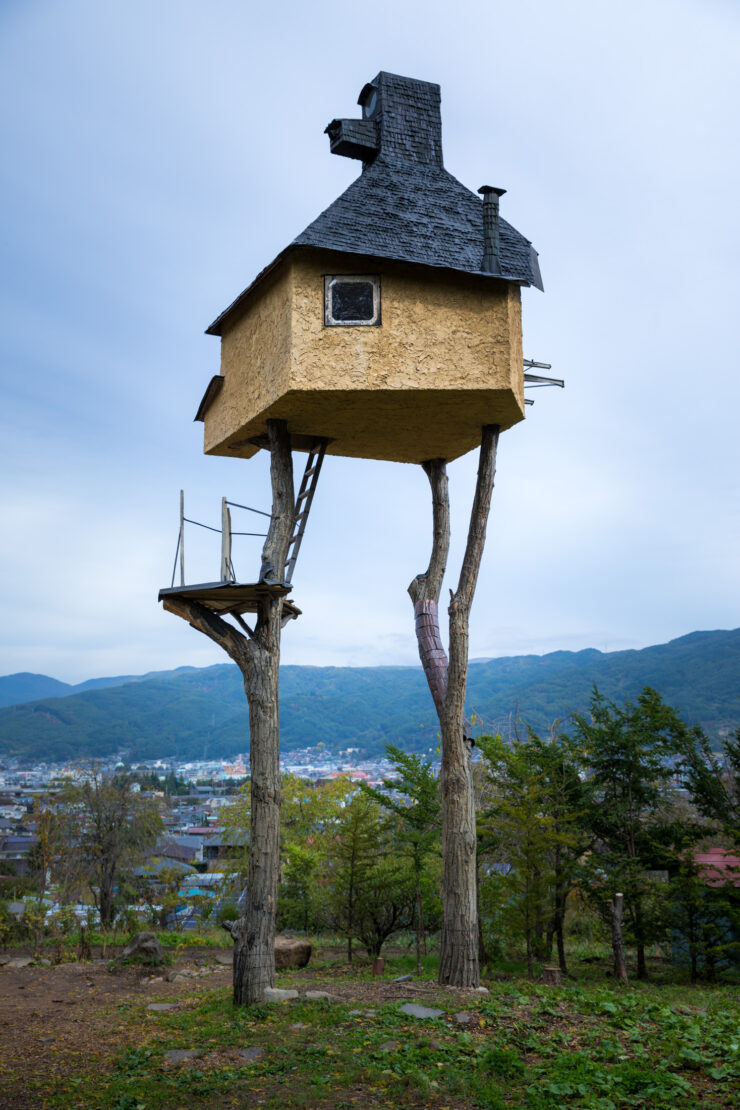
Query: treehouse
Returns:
{"type": "Point", "coordinates": [391, 327]}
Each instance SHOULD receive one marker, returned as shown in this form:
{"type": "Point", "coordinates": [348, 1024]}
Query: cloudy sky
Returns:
{"type": "Point", "coordinates": [156, 155]}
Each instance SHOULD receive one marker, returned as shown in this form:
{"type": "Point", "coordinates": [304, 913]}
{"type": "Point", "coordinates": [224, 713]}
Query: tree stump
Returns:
{"type": "Point", "coordinates": [552, 976]}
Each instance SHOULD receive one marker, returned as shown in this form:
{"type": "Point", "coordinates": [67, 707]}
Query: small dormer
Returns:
{"type": "Point", "coordinates": [391, 326]}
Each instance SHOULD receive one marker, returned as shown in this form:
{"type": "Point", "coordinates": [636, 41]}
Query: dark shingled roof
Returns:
{"type": "Point", "coordinates": [405, 206]}
{"type": "Point", "coordinates": [412, 212]}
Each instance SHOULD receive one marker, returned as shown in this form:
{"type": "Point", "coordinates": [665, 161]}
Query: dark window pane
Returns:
{"type": "Point", "coordinates": [352, 300]}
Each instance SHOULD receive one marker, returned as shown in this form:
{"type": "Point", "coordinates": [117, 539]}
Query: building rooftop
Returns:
{"type": "Point", "coordinates": [405, 206]}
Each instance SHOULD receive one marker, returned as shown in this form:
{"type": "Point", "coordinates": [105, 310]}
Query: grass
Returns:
{"type": "Point", "coordinates": [591, 1045]}
{"type": "Point", "coordinates": [169, 938]}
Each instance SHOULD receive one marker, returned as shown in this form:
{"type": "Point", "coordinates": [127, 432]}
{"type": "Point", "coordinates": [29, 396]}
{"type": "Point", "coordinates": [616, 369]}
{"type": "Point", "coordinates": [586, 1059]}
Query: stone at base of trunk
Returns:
{"type": "Point", "coordinates": [291, 952]}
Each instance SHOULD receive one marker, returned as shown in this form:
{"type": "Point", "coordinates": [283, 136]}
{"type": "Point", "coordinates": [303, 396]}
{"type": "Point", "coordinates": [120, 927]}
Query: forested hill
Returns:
{"type": "Point", "coordinates": [24, 686]}
{"type": "Point", "coordinates": [197, 713]}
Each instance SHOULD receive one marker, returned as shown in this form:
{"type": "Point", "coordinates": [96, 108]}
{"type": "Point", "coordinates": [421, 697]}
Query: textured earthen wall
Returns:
{"type": "Point", "coordinates": [439, 330]}
{"type": "Point", "coordinates": [446, 359]}
{"type": "Point", "coordinates": [255, 360]}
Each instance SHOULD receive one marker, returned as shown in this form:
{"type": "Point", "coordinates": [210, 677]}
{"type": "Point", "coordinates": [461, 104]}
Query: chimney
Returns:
{"type": "Point", "coordinates": [401, 122]}
{"type": "Point", "coordinates": [491, 246]}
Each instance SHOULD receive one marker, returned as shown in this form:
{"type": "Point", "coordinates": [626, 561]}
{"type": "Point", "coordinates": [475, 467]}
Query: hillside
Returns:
{"type": "Point", "coordinates": [197, 713]}
{"type": "Point", "coordinates": [24, 686]}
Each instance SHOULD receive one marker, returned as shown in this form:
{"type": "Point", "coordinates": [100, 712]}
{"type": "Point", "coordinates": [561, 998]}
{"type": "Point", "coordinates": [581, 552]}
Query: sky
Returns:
{"type": "Point", "coordinates": [157, 155]}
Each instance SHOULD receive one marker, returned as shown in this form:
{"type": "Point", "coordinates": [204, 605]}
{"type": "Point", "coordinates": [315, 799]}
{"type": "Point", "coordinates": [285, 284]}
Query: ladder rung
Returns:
{"type": "Point", "coordinates": [305, 497]}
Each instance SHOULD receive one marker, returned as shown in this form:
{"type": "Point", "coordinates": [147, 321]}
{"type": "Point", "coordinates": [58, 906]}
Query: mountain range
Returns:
{"type": "Point", "coordinates": [197, 713]}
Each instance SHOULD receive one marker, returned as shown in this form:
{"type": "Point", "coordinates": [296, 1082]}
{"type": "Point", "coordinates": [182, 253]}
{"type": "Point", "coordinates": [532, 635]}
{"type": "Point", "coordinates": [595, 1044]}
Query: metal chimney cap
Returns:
{"type": "Point", "coordinates": [486, 189]}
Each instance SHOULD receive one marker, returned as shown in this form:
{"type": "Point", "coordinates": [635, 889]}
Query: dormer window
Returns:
{"type": "Point", "coordinates": [351, 300]}
{"type": "Point", "coordinates": [368, 101]}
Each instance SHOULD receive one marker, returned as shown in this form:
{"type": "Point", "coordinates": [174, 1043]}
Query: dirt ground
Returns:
{"type": "Point", "coordinates": [59, 1020]}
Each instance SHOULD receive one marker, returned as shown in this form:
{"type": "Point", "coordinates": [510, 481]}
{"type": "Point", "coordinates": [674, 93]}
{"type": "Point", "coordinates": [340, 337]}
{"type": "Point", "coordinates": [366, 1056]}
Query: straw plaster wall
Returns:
{"type": "Point", "coordinates": [446, 359]}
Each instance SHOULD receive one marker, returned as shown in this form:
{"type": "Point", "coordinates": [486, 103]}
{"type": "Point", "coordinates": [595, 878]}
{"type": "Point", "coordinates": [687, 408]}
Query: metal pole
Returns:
{"type": "Point", "coordinates": [226, 575]}
{"type": "Point", "coordinates": [182, 537]}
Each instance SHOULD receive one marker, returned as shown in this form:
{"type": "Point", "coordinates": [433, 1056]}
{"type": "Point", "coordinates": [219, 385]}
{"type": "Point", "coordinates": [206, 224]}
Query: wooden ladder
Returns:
{"type": "Point", "coordinates": [303, 504]}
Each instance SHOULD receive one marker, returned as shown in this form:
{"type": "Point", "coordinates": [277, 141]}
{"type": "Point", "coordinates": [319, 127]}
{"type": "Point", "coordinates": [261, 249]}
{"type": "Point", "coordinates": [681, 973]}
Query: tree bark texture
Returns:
{"type": "Point", "coordinates": [447, 680]}
{"type": "Point", "coordinates": [257, 655]}
{"type": "Point", "coordinates": [620, 964]}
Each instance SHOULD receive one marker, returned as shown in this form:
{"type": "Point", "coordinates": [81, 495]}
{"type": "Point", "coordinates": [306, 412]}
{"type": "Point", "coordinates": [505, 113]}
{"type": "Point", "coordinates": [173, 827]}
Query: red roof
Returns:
{"type": "Point", "coordinates": [718, 867]}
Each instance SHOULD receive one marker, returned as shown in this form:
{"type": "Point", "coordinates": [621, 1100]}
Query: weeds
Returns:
{"type": "Point", "coordinates": [581, 1046]}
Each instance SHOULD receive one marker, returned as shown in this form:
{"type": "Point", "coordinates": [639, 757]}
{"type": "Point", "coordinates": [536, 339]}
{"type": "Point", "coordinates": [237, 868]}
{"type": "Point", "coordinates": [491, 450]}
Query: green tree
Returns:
{"type": "Point", "coordinates": [308, 819]}
{"type": "Point", "coordinates": [309, 816]}
{"type": "Point", "coordinates": [354, 851]}
{"type": "Point", "coordinates": [529, 828]}
{"type": "Point", "coordinates": [413, 796]}
{"type": "Point", "coordinates": [705, 916]}
{"type": "Point", "coordinates": [385, 899]}
{"type": "Point", "coordinates": [634, 756]}
{"type": "Point", "coordinates": [713, 781]}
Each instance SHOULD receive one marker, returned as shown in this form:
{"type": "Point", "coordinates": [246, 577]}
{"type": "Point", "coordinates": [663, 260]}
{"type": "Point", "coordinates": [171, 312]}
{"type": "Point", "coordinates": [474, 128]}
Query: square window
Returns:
{"type": "Point", "coordinates": [351, 300]}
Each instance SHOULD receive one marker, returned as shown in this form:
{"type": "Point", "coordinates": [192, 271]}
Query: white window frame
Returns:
{"type": "Point", "coordinates": [371, 279]}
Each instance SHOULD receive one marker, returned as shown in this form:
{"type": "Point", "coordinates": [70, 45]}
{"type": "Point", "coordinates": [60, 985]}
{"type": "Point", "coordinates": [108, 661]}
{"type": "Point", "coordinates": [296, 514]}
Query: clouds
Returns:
{"type": "Point", "coordinates": [157, 156]}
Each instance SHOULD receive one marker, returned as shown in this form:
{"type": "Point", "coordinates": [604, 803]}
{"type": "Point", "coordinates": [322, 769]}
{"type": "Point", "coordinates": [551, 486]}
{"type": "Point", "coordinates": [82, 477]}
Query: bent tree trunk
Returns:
{"type": "Point", "coordinates": [447, 680]}
{"type": "Point", "coordinates": [257, 654]}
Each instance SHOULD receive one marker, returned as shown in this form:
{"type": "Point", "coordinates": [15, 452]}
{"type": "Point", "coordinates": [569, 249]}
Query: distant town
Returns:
{"type": "Point", "coordinates": [195, 789]}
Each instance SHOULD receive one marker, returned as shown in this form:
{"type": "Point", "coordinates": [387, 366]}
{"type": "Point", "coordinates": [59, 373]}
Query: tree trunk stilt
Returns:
{"type": "Point", "coordinates": [447, 680]}
{"type": "Point", "coordinates": [258, 657]}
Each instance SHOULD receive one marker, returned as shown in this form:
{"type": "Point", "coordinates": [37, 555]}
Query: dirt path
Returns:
{"type": "Point", "coordinates": [60, 1020]}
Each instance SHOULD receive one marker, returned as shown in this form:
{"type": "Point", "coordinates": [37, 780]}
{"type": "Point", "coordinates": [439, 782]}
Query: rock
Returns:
{"type": "Point", "coordinates": [249, 1055]}
{"type": "Point", "coordinates": [318, 996]}
{"type": "Point", "coordinates": [182, 1055]}
{"type": "Point", "coordinates": [463, 1018]}
{"type": "Point", "coordinates": [161, 1007]}
{"type": "Point", "coordinates": [388, 1046]}
{"type": "Point", "coordinates": [4, 960]}
{"type": "Point", "coordinates": [144, 947]}
{"type": "Point", "coordinates": [20, 961]}
{"type": "Point", "coordinates": [274, 994]}
{"type": "Point", "coordinates": [415, 1010]}
{"type": "Point", "coordinates": [224, 958]}
{"type": "Point", "coordinates": [480, 990]}
{"type": "Point", "coordinates": [43, 963]}
{"type": "Point", "coordinates": [298, 1025]}
{"type": "Point", "coordinates": [291, 952]}
{"type": "Point", "coordinates": [177, 978]}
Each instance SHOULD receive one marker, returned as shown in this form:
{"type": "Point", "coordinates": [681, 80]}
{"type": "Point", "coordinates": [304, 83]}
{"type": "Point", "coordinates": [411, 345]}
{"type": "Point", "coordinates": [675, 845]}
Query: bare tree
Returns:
{"type": "Point", "coordinates": [447, 679]}
{"type": "Point", "coordinates": [104, 828]}
{"type": "Point", "coordinates": [257, 654]}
